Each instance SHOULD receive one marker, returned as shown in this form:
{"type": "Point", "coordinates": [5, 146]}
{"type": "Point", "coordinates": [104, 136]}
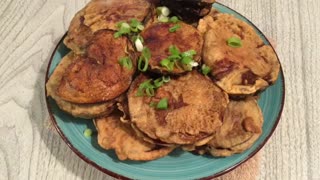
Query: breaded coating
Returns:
{"type": "Point", "coordinates": [98, 76]}
{"type": "Point", "coordinates": [242, 126]}
{"type": "Point", "coordinates": [105, 14]}
{"type": "Point", "coordinates": [86, 111]}
{"type": "Point", "coordinates": [237, 70]}
{"type": "Point", "coordinates": [113, 134]}
{"type": "Point", "coordinates": [195, 109]}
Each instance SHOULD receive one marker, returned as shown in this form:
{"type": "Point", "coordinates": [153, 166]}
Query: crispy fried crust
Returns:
{"type": "Point", "coordinates": [113, 134]}
{"type": "Point", "coordinates": [102, 14]}
{"type": "Point", "coordinates": [86, 111]}
{"type": "Point", "coordinates": [243, 70]}
{"type": "Point", "coordinates": [78, 34]}
{"type": "Point", "coordinates": [98, 77]}
{"type": "Point", "coordinates": [158, 39]}
{"type": "Point", "coordinates": [242, 126]}
{"type": "Point", "coordinates": [195, 109]}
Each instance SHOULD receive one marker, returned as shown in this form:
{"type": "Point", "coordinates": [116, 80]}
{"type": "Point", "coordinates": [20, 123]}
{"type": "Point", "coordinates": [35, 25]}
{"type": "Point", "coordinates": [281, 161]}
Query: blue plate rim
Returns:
{"type": "Point", "coordinates": [118, 176]}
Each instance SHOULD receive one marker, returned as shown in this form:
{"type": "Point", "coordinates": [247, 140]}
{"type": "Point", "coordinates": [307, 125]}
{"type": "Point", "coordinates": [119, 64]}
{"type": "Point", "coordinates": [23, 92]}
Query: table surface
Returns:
{"type": "Point", "coordinates": [30, 29]}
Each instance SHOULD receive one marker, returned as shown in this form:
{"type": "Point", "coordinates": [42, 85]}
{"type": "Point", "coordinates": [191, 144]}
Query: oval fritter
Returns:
{"type": "Point", "coordinates": [113, 134]}
{"type": "Point", "coordinates": [243, 70]}
{"type": "Point", "coordinates": [98, 76]}
{"type": "Point", "coordinates": [194, 112]}
{"type": "Point", "coordinates": [242, 126]}
{"type": "Point", "coordinates": [102, 14]}
{"type": "Point", "coordinates": [158, 39]}
{"type": "Point", "coordinates": [86, 111]}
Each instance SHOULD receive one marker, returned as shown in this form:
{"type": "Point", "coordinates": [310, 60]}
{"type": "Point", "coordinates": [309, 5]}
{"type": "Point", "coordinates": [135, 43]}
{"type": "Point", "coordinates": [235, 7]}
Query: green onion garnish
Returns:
{"type": "Point", "coordinates": [186, 60]}
{"type": "Point", "coordinates": [145, 87]}
{"type": "Point", "coordinates": [144, 59]}
{"type": "Point", "coordinates": [126, 62]}
{"type": "Point", "coordinates": [87, 133]}
{"type": "Point", "coordinates": [174, 28]}
{"type": "Point", "coordinates": [166, 79]}
{"type": "Point", "coordinates": [174, 19]}
{"type": "Point", "coordinates": [205, 69]}
{"type": "Point", "coordinates": [158, 82]}
{"type": "Point", "coordinates": [234, 42]}
{"type": "Point", "coordinates": [163, 104]}
{"type": "Point", "coordinates": [189, 53]}
{"type": "Point", "coordinates": [125, 28]}
{"type": "Point", "coordinates": [163, 11]}
{"type": "Point", "coordinates": [174, 50]}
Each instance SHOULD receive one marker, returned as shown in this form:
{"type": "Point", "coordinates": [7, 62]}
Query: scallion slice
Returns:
{"type": "Point", "coordinates": [174, 28]}
{"type": "Point", "coordinates": [174, 19]}
{"type": "Point", "coordinates": [87, 133]}
{"type": "Point", "coordinates": [205, 69]}
{"type": "Point", "coordinates": [163, 104]}
{"type": "Point", "coordinates": [234, 42]}
{"type": "Point", "coordinates": [126, 62]}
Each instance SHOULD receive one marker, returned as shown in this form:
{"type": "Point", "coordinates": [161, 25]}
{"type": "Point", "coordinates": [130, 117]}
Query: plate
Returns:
{"type": "Point", "coordinates": [178, 164]}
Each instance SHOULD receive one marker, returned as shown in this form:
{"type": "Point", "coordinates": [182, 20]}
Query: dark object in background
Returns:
{"type": "Point", "coordinates": [189, 10]}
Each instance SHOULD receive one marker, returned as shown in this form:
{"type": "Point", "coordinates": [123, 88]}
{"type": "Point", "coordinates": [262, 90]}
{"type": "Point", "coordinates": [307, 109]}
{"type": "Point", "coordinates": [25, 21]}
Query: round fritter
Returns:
{"type": "Point", "coordinates": [105, 14]}
{"type": "Point", "coordinates": [243, 70]}
{"type": "Point", "coordinates": [242, 126]}
{"type": "Point", "coordinates": [113, 134]}
{"type": "Point", "coordinates": [86, 111]}
{"type": "Point", "coordinates": [78, 34]}
{"type": "Point", "coordinates": [195, 109]}
{"type": "Point", "coordinates": [158, 39]}
{"type": "Point", "coordinates": [98, 76]}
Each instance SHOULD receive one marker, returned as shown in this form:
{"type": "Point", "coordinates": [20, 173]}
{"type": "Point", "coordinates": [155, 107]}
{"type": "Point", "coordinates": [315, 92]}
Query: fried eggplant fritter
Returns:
{"type": "Point", "coordinates": [242, 70]}
{"type": "Point", "coordinates": [105, 14]}
{"type": "Point", "coordinates": [195, 109]}
{"type": "Point", "coordinates": [86, 111]}
{"type": "Point", "coordinates": [242, 126]}
{"type": "Point", "coordinates": [113, 134]}
{"type": "Point", "coordinates": [98, 76]}
{"type": "Point", "coordinates": [158, 39]}
{"type": "Point", "coordinates": [100, 15]}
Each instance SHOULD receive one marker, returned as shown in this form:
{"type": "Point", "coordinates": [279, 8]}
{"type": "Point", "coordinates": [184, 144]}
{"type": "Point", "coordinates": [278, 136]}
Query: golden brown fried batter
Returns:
{"type": "Point", "coordinates": [243, 70]}
{"type": "Point", "coordinates": [78, 34]}
{"type": "Point", "coordinates": [194, 113]}
{"type": "Point", "coordinates": [105, 14]}
{"type": "Point", "coordinates": [158, 39]}
{"type": "Point", "coordinates": [86, 111]}
{"type": "Point", "coordinates": [98, 77]}
{"type": "Point", "coordinates": [113, 134]}
{"type": "Point", "coordinates": [242, 126]}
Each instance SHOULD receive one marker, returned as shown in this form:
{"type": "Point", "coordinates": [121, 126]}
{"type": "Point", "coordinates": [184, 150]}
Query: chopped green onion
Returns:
{"type": "Point", "coordinates": [186, 60]}
{"type": "Point", "coordinates": [87, 133]}
{"type": "Point", "coordinates": [163, 19]}
{"type": "Point", "coordinates": [143, 64]}
{"type": "Point", "coordinates": [124, 28]}
{"type": "Point", "coordinates": [174, 19]}
{"type": "Point", "coordinates": [134, 23]}
{"type": "Point", "coordinates": [163, 104]}
{"type": "Point", "coordinates": [205, 69]}
{"type": "Point", "coordinates": [189, 53]}
{"type": "Point", "coordinates": [165, 62]}
{"type": "Point", "coordinates": [144, 59]}
{"type": "Point", "coordinates": [158, 82]}
{"type": "Point", "coordinates": [166, 79]}
{"type": "Point", "coordinates": [140, 27]}
{"type": "Point", "coordinates": [174, 57]}
{"type": "Point", "coordinates": [126, 62]}
{"type": "Point", "coordinates": [117, 35]}
{"type": "Point", "coordinates": [174, 50]}
{"type": "Point", "coordinates": [163, 11]}
{"type": "Point", "coordinates": [150, 91]}
{"type": "Point", "coordinates": [139, 45]}
{"type": "Point", "coordinates": [234, 42]}
{"type": "Point", "coordinates": [174, 28]}
{"type": "Point", "coordinates": [145, 86]}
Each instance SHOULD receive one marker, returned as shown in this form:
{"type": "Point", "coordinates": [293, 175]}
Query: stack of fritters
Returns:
{"type": "Point", "coordinates": [197, 112]}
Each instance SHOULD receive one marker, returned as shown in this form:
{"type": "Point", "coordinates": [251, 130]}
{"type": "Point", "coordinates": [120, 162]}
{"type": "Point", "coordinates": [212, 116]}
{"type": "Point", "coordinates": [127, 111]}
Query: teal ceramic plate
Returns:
{"type": "Point", "coordinates": [178, 164]}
